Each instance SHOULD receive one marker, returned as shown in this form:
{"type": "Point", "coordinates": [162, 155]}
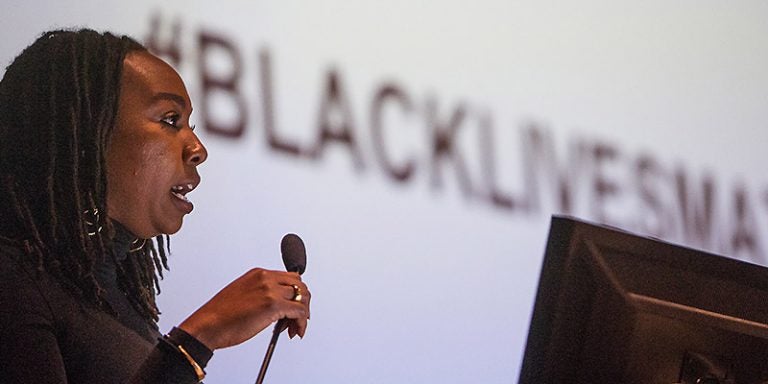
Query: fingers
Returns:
{"type": "Point", "coordinates": [297, 327]}
{"type": "Point", "coordinates": [298, 293]}
{"type": "Point", "coordinates": [299, 296]}
{"type": "Point", "coordinates": [295, 292]}
{"type": "Point", "coordinates": [281, 285]}
{"type": "Point", "coordinates": [296, 297]}
{"type": "Point", "coordinates": [248, 305]}
{"type": "Point", "coordinates": [294, 289]}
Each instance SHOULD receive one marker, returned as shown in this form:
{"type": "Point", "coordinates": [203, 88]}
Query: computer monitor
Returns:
{"type": "Point", "coordinates": [613, 307]}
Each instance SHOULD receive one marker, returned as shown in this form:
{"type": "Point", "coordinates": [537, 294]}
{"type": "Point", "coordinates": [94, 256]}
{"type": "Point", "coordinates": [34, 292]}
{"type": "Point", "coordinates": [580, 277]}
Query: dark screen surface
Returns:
{"type": "Point", "coordinates": [614, 307]}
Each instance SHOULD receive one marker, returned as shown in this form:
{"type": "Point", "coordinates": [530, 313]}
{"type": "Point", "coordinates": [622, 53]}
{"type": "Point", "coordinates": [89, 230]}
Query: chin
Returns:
{"type": "Point", "coordinates": [163, 229]}
{"type": "Point", "coordinates": [171, 229]}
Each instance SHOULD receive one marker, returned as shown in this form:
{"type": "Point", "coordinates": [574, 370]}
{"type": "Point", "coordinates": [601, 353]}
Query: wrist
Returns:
{"type": "Point", "coordinates": [199, 333]}
{"type": "Point", "coordinates": [195, 353]}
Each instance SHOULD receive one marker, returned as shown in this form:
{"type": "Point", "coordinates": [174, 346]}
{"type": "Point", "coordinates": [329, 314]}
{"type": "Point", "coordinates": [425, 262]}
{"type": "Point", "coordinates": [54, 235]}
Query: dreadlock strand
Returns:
{"type": "Point", "coordinates": [152, 271]}
{"type": "Point", "coordinates": [52, 76]}
{"type": "Point", "coordinates": [143, 295]}
{"type": "Point", "coordinates": [40, 248]}
{"type": "Point", "coordinates": [20, 211]}
{"type": "Point", "coordinates": [73, 185]}
{"type": "Point", "coordinates": [164, 253]}
{"type": "Point", "coordinates": [158, 258]}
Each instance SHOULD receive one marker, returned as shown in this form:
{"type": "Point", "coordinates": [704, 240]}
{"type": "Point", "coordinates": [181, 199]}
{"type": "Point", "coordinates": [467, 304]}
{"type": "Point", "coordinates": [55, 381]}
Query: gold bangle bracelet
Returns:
{"type": "Point", "coordinates": [198, 370]}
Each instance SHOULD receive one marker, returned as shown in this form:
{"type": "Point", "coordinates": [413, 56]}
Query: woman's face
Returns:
{"type": "Point", "coordinates": [152, 156]}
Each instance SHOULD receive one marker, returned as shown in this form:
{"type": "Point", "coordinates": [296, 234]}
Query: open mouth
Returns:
{"type": "Point", "coordinates": [180, 191]}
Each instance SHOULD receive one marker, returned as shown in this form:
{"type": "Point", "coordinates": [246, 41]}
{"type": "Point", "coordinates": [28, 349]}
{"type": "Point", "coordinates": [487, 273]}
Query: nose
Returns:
{"type": "Point", "coordinates": [195, 152]}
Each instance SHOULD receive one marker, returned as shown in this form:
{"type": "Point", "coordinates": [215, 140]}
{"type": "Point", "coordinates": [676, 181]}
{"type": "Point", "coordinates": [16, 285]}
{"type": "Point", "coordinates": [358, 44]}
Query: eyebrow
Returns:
{"type": "Point", "coordinates": [170, 96]}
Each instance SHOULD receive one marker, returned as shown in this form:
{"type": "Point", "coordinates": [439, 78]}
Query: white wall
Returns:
{"type": "Point", "coordinates": [418, 281]}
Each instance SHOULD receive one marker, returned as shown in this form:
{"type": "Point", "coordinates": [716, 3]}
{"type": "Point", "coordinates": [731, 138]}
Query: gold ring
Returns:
{"type": "Point", "coordinates": [296, 292]}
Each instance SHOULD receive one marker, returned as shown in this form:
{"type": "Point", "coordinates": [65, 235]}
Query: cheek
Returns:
{"type": "Point", "coordinates": [142, 161]}
{"type": "Point", "coordinates": [155, 161]}
{"type": "Point", "coordinates": [153, 172]}
{"type": "Point", "coordinates": [130, 166]}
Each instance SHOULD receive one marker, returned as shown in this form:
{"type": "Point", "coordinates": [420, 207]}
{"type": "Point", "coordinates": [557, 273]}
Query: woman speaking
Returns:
{"type": "Point", "coordinates": [97, 157]}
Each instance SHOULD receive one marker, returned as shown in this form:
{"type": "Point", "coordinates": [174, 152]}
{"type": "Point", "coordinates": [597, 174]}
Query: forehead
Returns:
{"type": "Point", "coordinates": [145, 75]}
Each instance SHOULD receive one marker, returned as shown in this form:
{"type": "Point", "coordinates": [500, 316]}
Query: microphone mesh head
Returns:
{"type": "Point", "coordinates": [294, 253]}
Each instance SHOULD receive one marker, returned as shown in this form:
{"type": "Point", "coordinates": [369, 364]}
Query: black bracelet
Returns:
{"type": "Point", "coordinates": [199, 372]}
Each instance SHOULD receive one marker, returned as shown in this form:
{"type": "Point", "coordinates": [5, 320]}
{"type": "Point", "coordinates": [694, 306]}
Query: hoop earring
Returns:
{"type": "Point", "coordinates": [135, 246]}
{"type": "Point", "coordinates": [92, 222]}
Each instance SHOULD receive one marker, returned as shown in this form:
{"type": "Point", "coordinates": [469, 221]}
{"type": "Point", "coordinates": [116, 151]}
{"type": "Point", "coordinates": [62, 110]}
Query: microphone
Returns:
{"type": "Point", "coordinates": [295, 259]}
{"type": "Point", "coordinates": [294, 253]}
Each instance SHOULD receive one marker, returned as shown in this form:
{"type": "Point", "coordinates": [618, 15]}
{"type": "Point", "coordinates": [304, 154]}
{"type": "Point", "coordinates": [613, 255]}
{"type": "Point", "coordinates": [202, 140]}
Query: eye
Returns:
{"type": "Point", "coordinates": [171, 119]}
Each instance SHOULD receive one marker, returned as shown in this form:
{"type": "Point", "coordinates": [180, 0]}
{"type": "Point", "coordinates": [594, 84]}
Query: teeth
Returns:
{"type": "Point", "coordinates": [180, 188]}
{"type": "Point", "coordinates": [180, 196]}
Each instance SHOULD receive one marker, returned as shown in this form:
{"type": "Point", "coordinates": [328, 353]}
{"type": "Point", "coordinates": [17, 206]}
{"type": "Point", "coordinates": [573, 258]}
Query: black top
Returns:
{"type": "Point", "coordinates": [47, 335]}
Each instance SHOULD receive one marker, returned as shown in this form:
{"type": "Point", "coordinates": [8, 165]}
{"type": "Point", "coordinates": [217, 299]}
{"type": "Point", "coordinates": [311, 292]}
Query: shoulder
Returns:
{"type": "Point", "coordinates": [21, 287]}
{"type": "Point", "coordinates": [15, 267]}
{"type": "Point", "coordinates": [27, 331]}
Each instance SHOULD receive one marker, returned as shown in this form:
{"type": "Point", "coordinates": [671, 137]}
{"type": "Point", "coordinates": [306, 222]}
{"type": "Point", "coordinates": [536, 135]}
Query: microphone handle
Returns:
{"type": "Point", "coordinates": [279, 328]}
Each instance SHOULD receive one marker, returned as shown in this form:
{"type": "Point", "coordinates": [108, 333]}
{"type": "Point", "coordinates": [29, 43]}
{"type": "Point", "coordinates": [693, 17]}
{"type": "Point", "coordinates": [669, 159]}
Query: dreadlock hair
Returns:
{"type": "Point", "coordinates": [58, 104]}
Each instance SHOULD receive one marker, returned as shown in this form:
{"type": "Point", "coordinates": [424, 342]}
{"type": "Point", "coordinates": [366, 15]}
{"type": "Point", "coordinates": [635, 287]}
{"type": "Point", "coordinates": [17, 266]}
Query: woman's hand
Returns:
{"type": "Point", "coordinates": [248, 305]}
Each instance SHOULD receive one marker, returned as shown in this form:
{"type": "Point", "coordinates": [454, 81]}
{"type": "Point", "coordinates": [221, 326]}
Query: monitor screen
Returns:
{"type": "Point", "coordinates": [613, 307]}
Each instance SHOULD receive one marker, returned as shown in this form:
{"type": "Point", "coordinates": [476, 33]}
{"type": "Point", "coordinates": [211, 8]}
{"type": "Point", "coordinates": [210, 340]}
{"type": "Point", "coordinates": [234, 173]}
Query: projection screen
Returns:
{"type": "Point", "coordinates": [420, 148]}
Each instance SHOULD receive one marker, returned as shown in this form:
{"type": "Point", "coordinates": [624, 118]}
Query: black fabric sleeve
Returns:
{"type": "Point", "coordinates": [29, 351]}
{"type": "Point", "coordinates": [46, 337]}
{"type": "Point", "coordinates": [165, 365]}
